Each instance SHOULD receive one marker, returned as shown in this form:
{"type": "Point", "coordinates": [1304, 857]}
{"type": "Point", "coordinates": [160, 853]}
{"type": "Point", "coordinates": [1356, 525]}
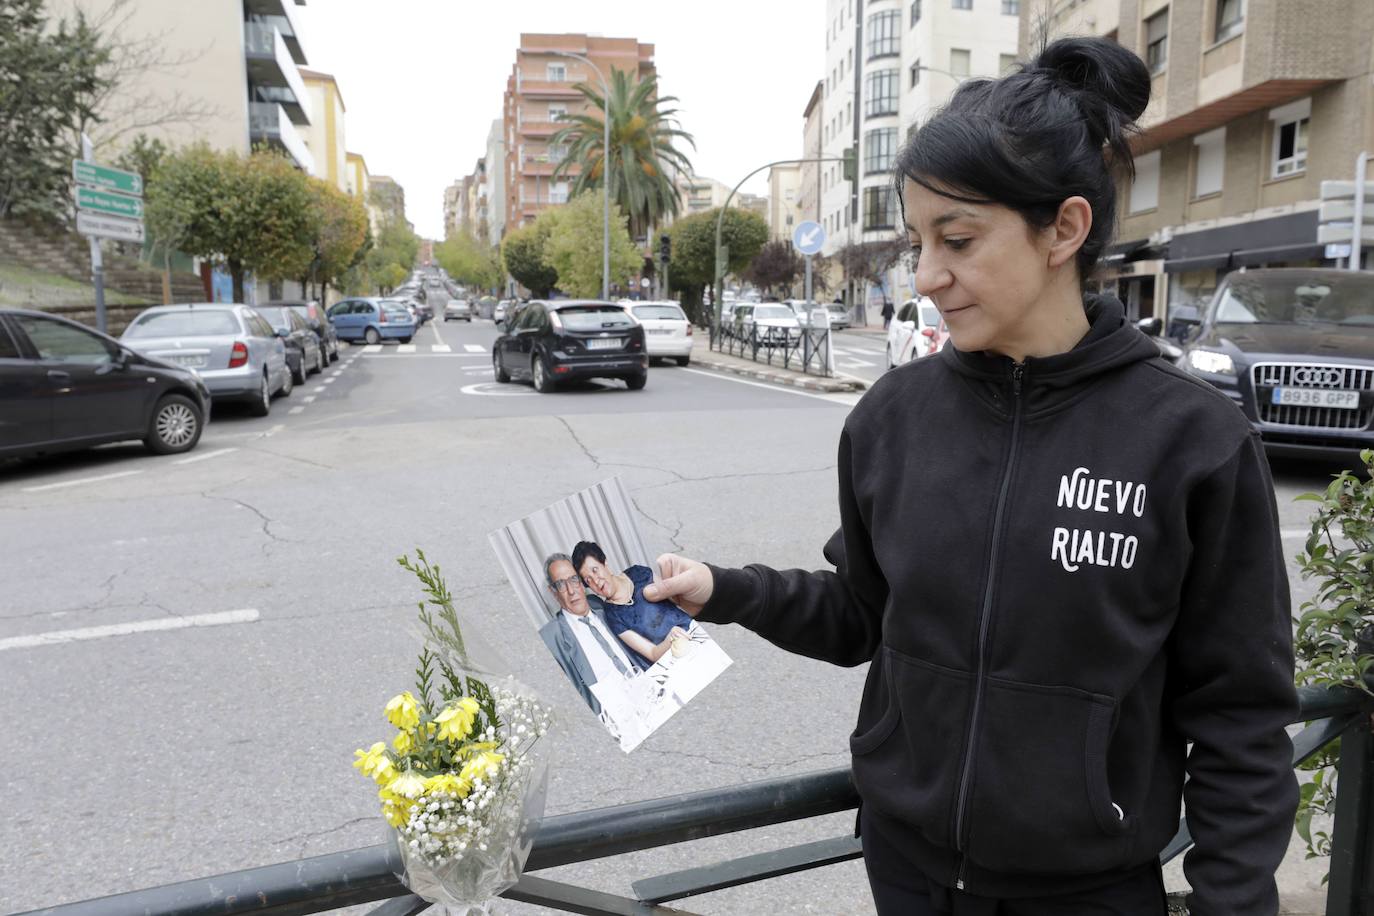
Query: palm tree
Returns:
{"type": "Point", "coordinates": [643, 156]}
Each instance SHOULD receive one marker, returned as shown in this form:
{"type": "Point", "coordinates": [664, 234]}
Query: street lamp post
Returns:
{"type": "Point", "coordinates": [605, 173]}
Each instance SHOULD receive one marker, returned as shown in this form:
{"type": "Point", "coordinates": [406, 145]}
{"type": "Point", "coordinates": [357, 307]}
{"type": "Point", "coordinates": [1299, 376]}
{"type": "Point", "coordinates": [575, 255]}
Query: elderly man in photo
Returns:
{"type": "Point", "coordinates": [578, 637]}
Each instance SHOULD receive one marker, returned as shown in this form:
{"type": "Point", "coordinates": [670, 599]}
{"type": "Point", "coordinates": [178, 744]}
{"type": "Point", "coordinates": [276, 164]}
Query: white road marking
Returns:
{"type": "Point", "coordinates": [845, 400]}
{"type": "Point", "coordinates": [433, 355]}
{"type": "Point", "coordinates": [125, 629]}
{"type": "Point", "coordinates": [406, 348]}
{"type": "Point", "coordinates": [273, 431]}
{"type": "Point", "coordinates": [474, 348]}
{"type": "Point", "coordinates": [318, 389]}
{"type": "Point", "coordinates": [497, 390]}
{"type": "Point", "coordinates": [854, 364]}
{"type": "Point", "coordinates": [331, 380]}
{"type": "Point", "coordinates": [439, 337]}
{"type": "Point", "coordinates": [372, 348]}
{"type": "Point", "coordinates": [295, 410]}
{"type": "Point", "coordinates": [80, 481]}
{"type": "Point", "coordinates": [441, 348]}
{"type": "Point", "coordinates": [310, 400]}
{"type": "Point", "coordinates": [205, 455]}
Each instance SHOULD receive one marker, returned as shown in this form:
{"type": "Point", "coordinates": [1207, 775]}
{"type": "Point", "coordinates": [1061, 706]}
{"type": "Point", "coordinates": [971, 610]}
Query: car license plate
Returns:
{"type": "Point", "coordinates": [189, 361]}
{"type": "Point", "coordinates": [604, 343]}
{"type": "Point", "coordinates": [1316, 397]}
{"type": "Point", "coordinates": [660, 330]}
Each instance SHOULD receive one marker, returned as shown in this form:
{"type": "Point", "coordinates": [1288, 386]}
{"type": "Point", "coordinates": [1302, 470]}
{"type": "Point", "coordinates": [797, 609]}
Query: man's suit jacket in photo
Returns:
{"type": "Point", "coordinates": [562, 642]}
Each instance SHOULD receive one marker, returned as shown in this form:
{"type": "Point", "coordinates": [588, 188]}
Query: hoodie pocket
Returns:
{"type": "Point", "coordinates": [909, 741]}
{"type": "Point", "coordinates": [1040, 799]}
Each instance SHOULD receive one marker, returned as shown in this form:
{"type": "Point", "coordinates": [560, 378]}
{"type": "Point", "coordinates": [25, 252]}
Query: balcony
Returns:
{"type": "Point", "coordinates": [541, 128]}
{"type": "Point", "coordinates": [546, 89]}
{"type": "Point", "coordinates": [272, 71]}
{"type": "Point", "coordinates": [268, 123]}
{"type": "Point", "coordinates": [279, 14]}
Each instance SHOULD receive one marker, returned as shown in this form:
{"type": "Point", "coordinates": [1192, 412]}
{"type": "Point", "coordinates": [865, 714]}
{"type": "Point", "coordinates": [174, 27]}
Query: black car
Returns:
{"type": "Point", "coordinates": [552, 342]}
{"type": "Point", "coordinates": [314, 315]}
{"type": "Point", "coordinates": [64, 386]}
{"type": "Point", "coordinates": [304, 354]}
{"type": "Point", "coordinates": [1294, 348]}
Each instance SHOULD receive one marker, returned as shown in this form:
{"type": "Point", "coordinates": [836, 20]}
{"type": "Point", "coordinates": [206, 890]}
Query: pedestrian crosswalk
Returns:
{"type": "Point", "coordinates": [410, 349]}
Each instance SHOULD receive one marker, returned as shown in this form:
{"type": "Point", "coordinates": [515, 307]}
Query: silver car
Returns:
{"type": "Point", "coordinates": [230, 346]}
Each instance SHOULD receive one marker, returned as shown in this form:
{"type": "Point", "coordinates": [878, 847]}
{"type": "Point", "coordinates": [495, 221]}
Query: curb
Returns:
{"type": "Point", "coordinates": [792, 379]}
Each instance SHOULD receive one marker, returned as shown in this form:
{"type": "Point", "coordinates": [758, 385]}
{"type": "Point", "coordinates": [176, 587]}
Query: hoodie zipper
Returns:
{"type": "Point", "coordinates": [1018, 371]}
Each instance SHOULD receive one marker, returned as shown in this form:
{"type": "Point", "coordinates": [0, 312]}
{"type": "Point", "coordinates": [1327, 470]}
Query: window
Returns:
{"type": "Point", "coordinates": [558, 112]}
{"type": "Point", "coordinates": [880, 208]}
{"type": "Point", "coordinates": [880, 93]}
{"type": "Point", "coordinates": [880, 148]}
{"type": "Point", "coordinates": [7, 348]}
{"type": "Point", "coordinates": [558, 152]}
{"type": "Point", "coordinates": [916, 73]}
{"type": "Point", "coordinates": [557, 73]}
{"type": "Point", "coordinates": [1005, 63]}
{"type": "Point", "coordinates": [849, 58]}
{"type": "Point", "coordinates": [57, 340]}
{"type": "Point", "coordinates": [1291, 126]}
{"type": "Point", "coordinates": [1011, 7]}
{"type": "Point", "coordinates": [1230, 18]}
{"type": "Point", "coordinates": [915, 12]}
{"type": "Point", "coordinates": [1145, 187]}
{"type": "Point", "coordinates": [884, 34]}
{"type": "Point", "coordinates": [1157, 40]}
{"type": "Point", "coordinates": [961, 4]}
{"type": "Point", "coordinates": [849, 112]}
{"type": "Point", "coordinates": [1209, 159]}
{"type": "Point", "coordinates": [959, 62]}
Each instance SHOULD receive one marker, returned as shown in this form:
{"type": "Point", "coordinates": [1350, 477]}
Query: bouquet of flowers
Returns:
{"type": "Point", "coordinates": [463, 780]}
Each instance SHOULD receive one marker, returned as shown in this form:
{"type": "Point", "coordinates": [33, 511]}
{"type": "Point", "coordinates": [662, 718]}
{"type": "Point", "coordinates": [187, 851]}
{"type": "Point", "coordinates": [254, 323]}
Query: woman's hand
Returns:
{"type": "Point", "coordinates": [666, 646]}
{"type": "Point", "coordinates": [686, 583]}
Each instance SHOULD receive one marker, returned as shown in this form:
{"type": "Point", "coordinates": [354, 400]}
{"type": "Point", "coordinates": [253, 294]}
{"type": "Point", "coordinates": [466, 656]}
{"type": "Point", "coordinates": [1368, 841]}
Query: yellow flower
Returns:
{"type": "Point", "coordinates": [408, 784]}
{"type": "Point", "coordinates": [485, 764]}
{"type": "Point", "coordinates": [451, 783]}
{"type": "Point", "coordinates": [404, 742]}
{"type": "Point", "coordinates": [403, 712]}
{"type": "Point", "coordinates": [395, 808]}
{"type": "Point", "coordinates": [455, 722]}
{"type": "Point", "coordinates": [374, 762]}
{"type": "Point", "coordinates": [476, 747]}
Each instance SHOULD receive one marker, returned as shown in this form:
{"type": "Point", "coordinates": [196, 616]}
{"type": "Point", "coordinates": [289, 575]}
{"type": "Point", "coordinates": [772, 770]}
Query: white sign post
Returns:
{"type": "Point", "coordinates": [1342, 224]}
{"type": "Point", "coordinates": [109, 205]}
{"type": "Point", "coordinates": [808, 238]}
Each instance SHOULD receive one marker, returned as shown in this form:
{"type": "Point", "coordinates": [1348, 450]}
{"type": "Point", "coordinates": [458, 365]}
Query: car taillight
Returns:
{"type": "Point", "coordinates": [239, 355]}
{"type": "Point", "coordinates": [689, 330]}
{"type": "Point", "coordinates": [382, 313]}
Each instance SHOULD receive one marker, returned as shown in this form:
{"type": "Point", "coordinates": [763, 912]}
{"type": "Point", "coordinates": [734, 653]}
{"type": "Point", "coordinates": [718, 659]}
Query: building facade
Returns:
{"type": "Point", "coordinates": [809, 177]}
{"type": "Point", "coordinates": [324, 136]}
{"type": "Point", "coordinates": [539, 94]}
{"type": "Point", "coordinates": [453, 208]}
{"type": "Point", "coordinates": [784, 203]}
{"type": "Point", "coordinates": [389, 198]}
{"type": "Point", "coordinates": [1253, 104]}
{"type": "Point", "coordinates": [495, 198]}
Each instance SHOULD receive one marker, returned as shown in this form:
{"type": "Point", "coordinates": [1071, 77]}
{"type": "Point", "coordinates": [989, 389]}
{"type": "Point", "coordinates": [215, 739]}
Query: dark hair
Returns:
{"type": "Point", "coordinates": [586, 549]}
{"type": "Point", "coordinates": [1037, 136]}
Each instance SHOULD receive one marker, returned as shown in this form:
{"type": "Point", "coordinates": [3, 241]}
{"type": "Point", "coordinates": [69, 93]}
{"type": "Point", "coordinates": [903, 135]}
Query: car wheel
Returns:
{"type": "Point", "coordinates": [501, 374]}
{"type": "Point", "coordinates": [542, 383]}
{"type": "Point", "coordinates": [637, 382]}
{"type": "Point", "coordinates": [321, 360]}
{"type": "Point", "coordinates": [299, 376]}
{"type": "Point", "coordinates": [684, 361]}
{"type": "Point", "coordinates": [288, 384]}
{"type": "Point", "coordinates": [175, 426]}
{"type": "Point", "coordinates": [334, 354]}
{"type": "Point", "coordinates": [372, 336]}
{"type": "Point", "coordinates": [261, 405]}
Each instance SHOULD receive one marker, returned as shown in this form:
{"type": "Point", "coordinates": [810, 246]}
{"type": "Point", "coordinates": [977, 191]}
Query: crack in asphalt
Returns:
{"type": "Point", "coordinates": [613, 464]}
{"type": "Point", "coordinates": [672, 532]}
{"type": "Point", "coordinates": [268, 451]}
{"type": "Point", "coordinates": [266, 521]}
{"type": "Point", "coordinates": [741, 476]}
{"type": "Point", "coordinates": [305, 838]}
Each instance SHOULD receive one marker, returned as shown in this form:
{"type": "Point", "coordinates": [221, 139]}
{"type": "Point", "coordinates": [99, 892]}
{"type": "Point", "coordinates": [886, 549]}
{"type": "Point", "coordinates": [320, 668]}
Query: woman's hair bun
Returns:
{"type": "Point", "coordinates": [1100, 72]}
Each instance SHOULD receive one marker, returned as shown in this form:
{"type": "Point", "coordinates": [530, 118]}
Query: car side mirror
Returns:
{"type": "Point", "coordinates": [1151, 327]}
{"type": "Point", "coordinates": [283, 333]}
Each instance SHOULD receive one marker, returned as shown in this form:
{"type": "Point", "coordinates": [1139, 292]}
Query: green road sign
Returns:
{"type": "Point", "coordinates": [100, 176]}
{"type": "Point", "coordinates": [113, 204]}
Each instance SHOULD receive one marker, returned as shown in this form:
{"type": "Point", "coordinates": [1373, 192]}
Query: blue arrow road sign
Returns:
{"type": "Point", "coordinates": [808, 237]}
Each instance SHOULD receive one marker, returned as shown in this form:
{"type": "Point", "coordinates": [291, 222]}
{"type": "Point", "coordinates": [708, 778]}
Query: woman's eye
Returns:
{"type": "Point", "coordinates": [957, 244]}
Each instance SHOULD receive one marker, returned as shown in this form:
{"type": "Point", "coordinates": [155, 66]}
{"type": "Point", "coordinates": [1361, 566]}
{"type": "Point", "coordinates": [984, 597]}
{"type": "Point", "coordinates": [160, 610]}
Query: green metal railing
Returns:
{"type": "Point", "coordinates": [367, 875]}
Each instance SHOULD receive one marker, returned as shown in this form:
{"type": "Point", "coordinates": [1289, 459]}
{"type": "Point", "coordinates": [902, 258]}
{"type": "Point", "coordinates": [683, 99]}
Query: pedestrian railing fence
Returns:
{"type": "Point", "coordinates": [802, 349]}
{"type": "Point", "coordinates": [369, 874]}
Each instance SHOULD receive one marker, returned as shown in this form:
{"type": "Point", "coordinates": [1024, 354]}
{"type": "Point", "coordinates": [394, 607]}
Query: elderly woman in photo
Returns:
{"type": "Point", "coordinates": [647, 628]}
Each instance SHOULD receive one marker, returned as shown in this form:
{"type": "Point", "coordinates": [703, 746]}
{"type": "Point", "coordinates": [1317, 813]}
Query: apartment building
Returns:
{"type": "Point", "coordinates": [809, 178]}
{"type": "Point", "coordinates": [784, 204]}
{"type": "Point", "coordinates": [453, 208]}
{"type": "Point", "coordinates": [539, 94]}
{"type": "Point", "coordinates": [358, 183]}
{"type": "Point", "coordinates": [1254, 103]}
{"type": "Point", "coordinates": [388, 197]}
{"type": "Point", "coordinates": [495, 198]}
{"type": "Point", "coordinates": [324, 136]}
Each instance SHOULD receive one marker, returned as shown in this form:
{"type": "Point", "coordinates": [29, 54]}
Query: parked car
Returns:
{"type": "Point", "coordinates": [371, 320]}
{"type": "Point", "coordinates": [803, 309]}
{"type": "Point", "coordinates": [458, 308]}
{"type": "Point", "coordinates": [503, 307]}
{"type": "Point", "coordinates": [303, 354]}
{"type": "Point", "coordinates": [420, 311]}
{"type": "Point", "coordinates": [915, 331]}
{"type": "Point", "coordinates": [1294, 349]}
{"type": "Point", "coordinates": [64, 386]}
{"type": "Point", "coordinates": [230, 346]}
{"type": "Point", "coordinates": [776, 324]}
{"type": "Point", "coordinates": [550, 342]}
{"type": "Point", "coordinates": [667, 332]}
{"type": "Point", "coordinates": [314, 315]}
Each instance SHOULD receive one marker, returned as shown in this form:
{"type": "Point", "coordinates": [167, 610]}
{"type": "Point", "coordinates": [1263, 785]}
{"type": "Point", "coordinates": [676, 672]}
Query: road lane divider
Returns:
{"type": "Point", "coordinates": [56, 637]}
{"type": "Point", "coordinates": [83, 480]}
{"type": "Point", "coordinates": [474, 348]}
{"type": "Point", "coordinates": [204, 456]}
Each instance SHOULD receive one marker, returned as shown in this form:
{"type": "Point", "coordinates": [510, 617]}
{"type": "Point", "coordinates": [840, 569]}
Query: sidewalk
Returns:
{"type": "Point", "coordinates": [703, 357]}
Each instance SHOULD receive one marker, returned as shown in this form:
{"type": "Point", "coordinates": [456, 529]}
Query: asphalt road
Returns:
{"type": "Point", "coordinates": [145, 755]}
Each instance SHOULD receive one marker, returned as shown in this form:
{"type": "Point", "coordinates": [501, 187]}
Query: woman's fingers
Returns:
{"type": "Point", "coordinates": [687, 583]}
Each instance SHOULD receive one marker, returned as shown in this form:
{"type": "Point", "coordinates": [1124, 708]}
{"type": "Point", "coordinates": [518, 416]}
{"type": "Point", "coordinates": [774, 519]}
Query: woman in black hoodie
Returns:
{"type": "Point", "coordinates": [1094, 578]}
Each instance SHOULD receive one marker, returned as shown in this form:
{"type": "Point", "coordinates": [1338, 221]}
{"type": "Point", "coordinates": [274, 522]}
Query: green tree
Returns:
{"type": "Point", "coordinates": [341, 232]}
{"type": "Point", "coordinates": [869, 262]}
{"type": "Point", "coordinates": [248, 213]}
{"type": "Point", "coordinates": [143, 156]}
{"type": "Point", "coordinates": [469, 261]}
{"type": "Point", "coordinates": [522, 254]}
{"type": "Point", "coordinates": [396, 244]}
{"type": "Point", "coordinates": [643, 155]}
{"type": "Point", "coordinates": [391, 276]}
{"type": "Point", "coordinates": [51, 77]}
{"type": "Point", "coordinates": [694, 258]}
{"type": "Point", "coordinates": [574, 247]}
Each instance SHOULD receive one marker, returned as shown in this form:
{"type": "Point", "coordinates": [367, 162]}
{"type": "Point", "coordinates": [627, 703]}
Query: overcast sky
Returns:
{"type": "Point", "coordinates": [423, 79]}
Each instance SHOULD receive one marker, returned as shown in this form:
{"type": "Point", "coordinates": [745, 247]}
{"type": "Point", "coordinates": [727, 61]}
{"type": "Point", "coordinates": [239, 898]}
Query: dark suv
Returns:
{"type": "Point", "coordinates": [551, 342]}
{"type": "Point", "coordinates": [1294, 348]}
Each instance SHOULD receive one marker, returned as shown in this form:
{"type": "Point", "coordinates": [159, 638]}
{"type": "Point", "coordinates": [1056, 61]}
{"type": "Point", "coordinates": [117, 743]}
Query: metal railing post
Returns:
{"type": "Point", "coordinates": [1350, 888]}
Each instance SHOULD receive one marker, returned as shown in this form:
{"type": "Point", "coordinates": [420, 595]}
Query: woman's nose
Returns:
{"type": "Point", "coordinates": [931, 276]}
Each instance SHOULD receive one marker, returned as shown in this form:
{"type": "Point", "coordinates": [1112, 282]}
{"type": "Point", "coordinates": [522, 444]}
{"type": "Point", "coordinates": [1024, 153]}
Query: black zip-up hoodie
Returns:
{"type": "Point", "coordinates": [1062, 572]}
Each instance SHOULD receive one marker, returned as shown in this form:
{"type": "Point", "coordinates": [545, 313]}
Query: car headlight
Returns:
{"type": "Point", "coordinates": [1211, 361]}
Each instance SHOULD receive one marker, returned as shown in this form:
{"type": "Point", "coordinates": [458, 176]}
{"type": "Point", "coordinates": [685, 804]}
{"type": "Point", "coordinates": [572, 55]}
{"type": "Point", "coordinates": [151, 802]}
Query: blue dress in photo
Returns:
{"type": "Point", "coordinates": [650, 619]}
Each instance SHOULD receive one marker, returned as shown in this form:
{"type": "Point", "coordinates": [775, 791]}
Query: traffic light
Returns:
{"type": "Point", "coordinates": [851, 170]}
{"type": "Point", "coordinates": [665, 247]}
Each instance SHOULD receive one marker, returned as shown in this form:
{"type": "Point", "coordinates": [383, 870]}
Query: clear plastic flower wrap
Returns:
{"type": "Point", "coordinates": [463, 781]}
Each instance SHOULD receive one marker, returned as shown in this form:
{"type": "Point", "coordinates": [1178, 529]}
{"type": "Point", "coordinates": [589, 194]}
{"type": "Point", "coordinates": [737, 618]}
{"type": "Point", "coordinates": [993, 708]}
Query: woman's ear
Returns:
{"type": "Point", "coordinates": [1069, 230]}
